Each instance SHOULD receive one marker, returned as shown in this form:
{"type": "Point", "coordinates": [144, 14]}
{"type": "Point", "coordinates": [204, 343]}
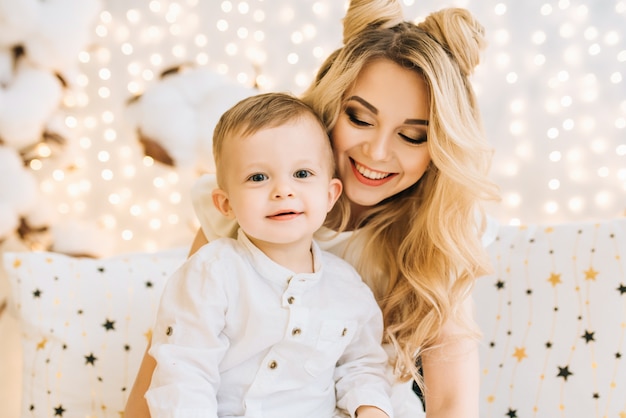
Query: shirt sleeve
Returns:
{"type": "Point", "coordinates": [361, 376]}
{"type": "Point", "coordinates": [188, 344]}
{"type": "Point", "coordinates": [213, 224]}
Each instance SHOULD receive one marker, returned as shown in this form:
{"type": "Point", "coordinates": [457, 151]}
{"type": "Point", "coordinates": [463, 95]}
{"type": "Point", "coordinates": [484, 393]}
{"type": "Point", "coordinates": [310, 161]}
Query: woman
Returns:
{"type": "Point", "coordinates": [412, 155]}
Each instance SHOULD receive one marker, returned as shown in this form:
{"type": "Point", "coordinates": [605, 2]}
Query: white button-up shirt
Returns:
{"type": "Point", "coordinates": [238, 335]}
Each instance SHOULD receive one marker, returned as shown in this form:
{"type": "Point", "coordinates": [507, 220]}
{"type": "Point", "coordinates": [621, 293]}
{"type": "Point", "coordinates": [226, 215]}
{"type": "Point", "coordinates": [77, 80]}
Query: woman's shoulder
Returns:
{"type": "Point", "coordinates": [213, 224]}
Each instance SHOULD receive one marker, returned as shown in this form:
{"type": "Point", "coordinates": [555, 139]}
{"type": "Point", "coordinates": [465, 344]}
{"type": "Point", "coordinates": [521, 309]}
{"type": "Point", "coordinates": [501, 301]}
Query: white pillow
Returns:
{"type": "Point", "coordinates": [85, 324]}
{"type": "Point", "coordinates": [553, 316]}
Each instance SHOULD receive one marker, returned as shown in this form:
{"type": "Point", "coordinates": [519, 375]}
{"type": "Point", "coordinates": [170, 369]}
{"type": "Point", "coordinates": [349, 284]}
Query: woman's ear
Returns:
{"type": "Point", "coordinates": [334, 191]}
{"type": "Point", "coordinates": [222, 203]}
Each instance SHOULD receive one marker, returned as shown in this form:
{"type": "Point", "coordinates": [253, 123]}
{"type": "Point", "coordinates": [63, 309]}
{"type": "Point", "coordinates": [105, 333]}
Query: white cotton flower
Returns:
{"type": "Point", "coordinates": [63, 30]}
{"type": "Point", "coordinates": [26, 104]}
{"type": "Point", "coordinates": [18, 19]}
{"type": "Point", "coordinates": [76, 237]}
{"type": "Point", "coordinates": [19, 192]}
{"type": "Point", "coordinates": [180, 113]}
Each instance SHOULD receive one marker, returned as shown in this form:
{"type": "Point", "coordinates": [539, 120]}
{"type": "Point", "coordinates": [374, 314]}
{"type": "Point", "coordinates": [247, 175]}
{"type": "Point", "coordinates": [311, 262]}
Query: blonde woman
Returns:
{"type": "Point", "coordinates": [412, 155]}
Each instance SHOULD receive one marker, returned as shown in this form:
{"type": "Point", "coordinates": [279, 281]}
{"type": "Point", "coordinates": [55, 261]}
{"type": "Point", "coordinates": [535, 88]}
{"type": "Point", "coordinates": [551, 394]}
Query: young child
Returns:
{"type": "Point", "coordinates": [268, 324]}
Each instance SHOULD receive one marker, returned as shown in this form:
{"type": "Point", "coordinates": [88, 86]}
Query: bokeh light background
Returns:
{"type": "Point", "coordinates": [552, 90]}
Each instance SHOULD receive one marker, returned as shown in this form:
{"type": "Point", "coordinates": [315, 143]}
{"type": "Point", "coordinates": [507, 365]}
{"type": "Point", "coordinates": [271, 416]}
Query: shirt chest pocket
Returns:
{"type": "Point", "coordinates": [334, 337]}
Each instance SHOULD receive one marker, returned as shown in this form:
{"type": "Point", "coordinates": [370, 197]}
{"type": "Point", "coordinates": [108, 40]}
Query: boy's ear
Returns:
{"type": "Point", "coordinates": [222, 203]}
{"type": "Point", "coordinates": [334, 191]}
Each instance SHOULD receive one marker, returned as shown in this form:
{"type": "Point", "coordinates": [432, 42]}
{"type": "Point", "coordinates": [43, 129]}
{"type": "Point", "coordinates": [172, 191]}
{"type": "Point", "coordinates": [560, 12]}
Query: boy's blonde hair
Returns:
{"type": "Point", "coordinates": [263, 111]}
{"type": "Point", "coordinates": [420, 250]}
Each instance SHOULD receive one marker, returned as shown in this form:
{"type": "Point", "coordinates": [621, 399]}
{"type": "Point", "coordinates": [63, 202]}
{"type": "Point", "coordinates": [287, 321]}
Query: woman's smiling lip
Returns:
{"type": "Point", "coordinates": [368, 176]}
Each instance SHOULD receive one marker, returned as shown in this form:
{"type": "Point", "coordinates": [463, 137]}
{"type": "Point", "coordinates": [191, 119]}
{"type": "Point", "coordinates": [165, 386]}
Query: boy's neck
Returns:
{"type": "Point", "coordinates": [297, 256]}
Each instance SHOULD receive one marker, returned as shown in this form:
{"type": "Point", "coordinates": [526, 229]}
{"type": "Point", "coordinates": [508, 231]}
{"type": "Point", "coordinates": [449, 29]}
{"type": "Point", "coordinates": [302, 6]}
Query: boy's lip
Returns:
{"type": "Point", "coordinates": [284, 215]}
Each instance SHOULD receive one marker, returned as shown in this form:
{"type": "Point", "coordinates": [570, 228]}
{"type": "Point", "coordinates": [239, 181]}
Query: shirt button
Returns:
{"type": "Point", "coordinates": [272, 364]}
{"type": "Point", "coordinates": [291, 300]}
{"type": "Point", "coordinates": [169, 331]}
{"type": "Point", "coordinates": [296, 331]}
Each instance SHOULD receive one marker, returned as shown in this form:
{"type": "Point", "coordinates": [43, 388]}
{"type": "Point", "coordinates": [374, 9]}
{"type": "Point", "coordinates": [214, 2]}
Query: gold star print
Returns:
{"type": "Point", "coordinates": [549, 230]}
{"type": "Point", "coordinates": [622, 414]}
{"type": "Point", "coordinates": [17, 263]}
{"type": "Point", "coordinates": [520, 353]}
{"type": "Point", "coordinates": [491, 399]}
{"type": "Point", "coordinates": [148, 335]}
{"type": "Point", "coordinates": [554, 279]}
{"type": "Point", "coordinates": [591, 274]}
{"type": "Point", "coordinates": [42, 344]}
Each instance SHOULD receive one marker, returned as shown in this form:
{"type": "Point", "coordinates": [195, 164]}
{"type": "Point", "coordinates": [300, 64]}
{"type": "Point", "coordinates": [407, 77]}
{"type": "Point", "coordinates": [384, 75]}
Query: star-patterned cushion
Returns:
{"type": "Point", "coordinates": [85, 323]}
{"type": "Point", "coordinates": [553, 317]}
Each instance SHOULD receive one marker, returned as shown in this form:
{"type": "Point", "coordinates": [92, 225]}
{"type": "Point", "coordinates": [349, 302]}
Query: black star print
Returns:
{"type": "Point", "coordinates": [512, 413]}
{"type": "Point", "coordinates": [621, 289]}
{"type": "Point", "coordinates": [596, 396]}
{"type": "Point", "coordinates": [90, 359]}
{"type": "Point", "coordinates": [618, 355]}
{"type": "Point", "coordinates": [564, 372]}
{"type": "Point", "coordinates": [37, 293]}
{"type": "Point", "coordinates": [126, 347]}
{"type": "Point", "coordinates": [109, 325]}
{"type": "Point", "coordinates": [58, 411]}
{"type": "Point", "coordinates": [529, 291]}
{"type": "Point", "coordinates": [549, 344]}
{"type": "Point", "coordinates": [148, 284]}
{"type": "Point", "coordinates": [100, 269]}
{"type": "Point", "coordinates": [492, 344]}
{"type": "Point", "coordinates": [500, 284]}
{"type": "Point", "coordinates": [588, 336]}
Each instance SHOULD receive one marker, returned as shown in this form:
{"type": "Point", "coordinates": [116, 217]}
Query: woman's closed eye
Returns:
{"type": "Point", "coordinates": [414, 140]}
{"type": "Point", "coordinates": [355, 119]}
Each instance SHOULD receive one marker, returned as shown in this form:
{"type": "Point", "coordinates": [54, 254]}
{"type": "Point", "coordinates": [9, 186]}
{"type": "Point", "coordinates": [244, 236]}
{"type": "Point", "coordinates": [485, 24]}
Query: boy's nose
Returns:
{"type": "Point", "coordinates": [282, 191]}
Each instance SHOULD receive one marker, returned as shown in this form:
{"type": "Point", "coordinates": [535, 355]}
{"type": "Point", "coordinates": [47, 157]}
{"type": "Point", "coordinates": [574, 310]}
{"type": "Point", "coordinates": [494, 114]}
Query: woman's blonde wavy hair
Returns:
{"type": "Point", "coordinates": [419, 250]}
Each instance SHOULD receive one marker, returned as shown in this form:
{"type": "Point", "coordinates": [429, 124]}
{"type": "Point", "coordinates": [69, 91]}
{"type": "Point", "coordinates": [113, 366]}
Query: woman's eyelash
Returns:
{"type": "Point", "coordinates": [416, 141]}
{"type": "Point", "coordinates": [354, 119]}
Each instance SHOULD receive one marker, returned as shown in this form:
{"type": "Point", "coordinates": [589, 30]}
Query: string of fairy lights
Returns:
{"type": "Point", "coordinates": [551, 89]}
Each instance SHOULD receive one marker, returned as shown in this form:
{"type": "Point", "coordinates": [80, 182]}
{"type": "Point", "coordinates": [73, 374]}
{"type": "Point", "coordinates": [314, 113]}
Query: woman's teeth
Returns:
{"type": "Point", "coordinates": [372, 175]}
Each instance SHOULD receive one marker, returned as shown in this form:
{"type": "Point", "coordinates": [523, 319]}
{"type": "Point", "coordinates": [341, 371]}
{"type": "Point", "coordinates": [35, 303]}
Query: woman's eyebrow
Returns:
{"type": "Point", "coordinates": [416, 122]}
{"type": "Point", "coordinates": [373, 109]}
{"type": "Point", "coordinates": [365, 103]}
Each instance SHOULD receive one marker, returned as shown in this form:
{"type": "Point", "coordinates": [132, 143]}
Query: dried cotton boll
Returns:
{"type": "Point", "coordinates": [81, 239]}
{"type": "Point", "coordinates": [175, 118]}
{"type": "Point", "coordinates": [63, 29]}
{"type": "Point", "coordinates": [9, 221]}
{"type": "Point", "coordinates": [17, 20]}
{"type": "Point", "coordinates": [6, 66]}
{"type": "Point", "coordinates": [26, 104]}
{"type": "Point", "coordinates": [19, 192]}
{"type": "Point", "coordinates": [165, 118]}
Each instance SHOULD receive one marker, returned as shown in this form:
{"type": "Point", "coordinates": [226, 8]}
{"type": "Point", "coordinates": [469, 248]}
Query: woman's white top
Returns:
{"type": "Point", "coordinates": [214, 225]}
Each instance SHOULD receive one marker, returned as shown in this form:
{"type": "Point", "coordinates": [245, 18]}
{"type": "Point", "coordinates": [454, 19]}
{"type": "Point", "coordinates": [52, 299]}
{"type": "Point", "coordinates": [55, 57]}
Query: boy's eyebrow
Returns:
{"type": "Point", "coordinates": [374, 110]}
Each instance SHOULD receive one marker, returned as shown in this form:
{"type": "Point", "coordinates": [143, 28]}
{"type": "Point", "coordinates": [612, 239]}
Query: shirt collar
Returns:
{"type": "Point", "coordinates": [272, 271]}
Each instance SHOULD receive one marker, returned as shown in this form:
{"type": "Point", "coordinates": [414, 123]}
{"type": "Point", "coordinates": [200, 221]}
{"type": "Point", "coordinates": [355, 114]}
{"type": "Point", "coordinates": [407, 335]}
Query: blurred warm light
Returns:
{"type": "Point", "coordinates": [551, 92]}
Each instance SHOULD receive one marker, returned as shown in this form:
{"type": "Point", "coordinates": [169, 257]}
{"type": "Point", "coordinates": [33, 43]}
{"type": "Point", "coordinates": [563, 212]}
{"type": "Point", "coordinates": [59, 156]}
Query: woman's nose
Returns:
{"type": "Point", "coordinates": [377, 148]}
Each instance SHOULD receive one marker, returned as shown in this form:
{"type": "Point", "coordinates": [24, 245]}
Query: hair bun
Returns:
{"type": "Point", "coordinates": [363, 14]}
{"type": "Point", "coordinates": [459, 33]}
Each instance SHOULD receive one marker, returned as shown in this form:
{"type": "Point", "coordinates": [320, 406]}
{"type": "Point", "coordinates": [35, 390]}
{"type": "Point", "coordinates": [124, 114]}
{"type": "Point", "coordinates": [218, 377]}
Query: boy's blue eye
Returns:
{"type": "Point", "coordinates": [302, 174]}
{"type": "Point", "coordinates": [257, 177]}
